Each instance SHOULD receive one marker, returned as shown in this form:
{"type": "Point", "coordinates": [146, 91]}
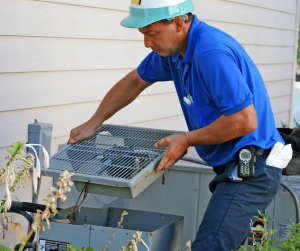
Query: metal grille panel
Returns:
{"type": "Point", "coordinates": [117, 152]}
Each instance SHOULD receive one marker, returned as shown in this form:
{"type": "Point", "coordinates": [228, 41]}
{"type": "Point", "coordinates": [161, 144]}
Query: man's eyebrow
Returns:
{"type": "Point", "coordinates": [146, 32]}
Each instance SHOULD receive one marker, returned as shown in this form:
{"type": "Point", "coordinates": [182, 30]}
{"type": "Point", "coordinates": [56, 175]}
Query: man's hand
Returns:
{"type": "Point", "coordinates": [176, 146]}
{"type": "Point", "coordinates": [82, 132]}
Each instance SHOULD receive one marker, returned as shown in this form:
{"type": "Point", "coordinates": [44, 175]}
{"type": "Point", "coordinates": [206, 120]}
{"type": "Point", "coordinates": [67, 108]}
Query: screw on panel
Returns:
{"type": "Point", "coordinates": [163, 179]}
{"type": "Point", "coordinates": [85, 216]}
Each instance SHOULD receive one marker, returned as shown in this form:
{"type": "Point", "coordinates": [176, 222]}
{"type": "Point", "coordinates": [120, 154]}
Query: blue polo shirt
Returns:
{"type": "Point", "coordinates": [222, 80]}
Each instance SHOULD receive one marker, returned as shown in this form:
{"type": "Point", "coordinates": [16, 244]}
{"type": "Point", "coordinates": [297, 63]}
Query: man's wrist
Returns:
{"type": "Point", "coordinates": [187, 137]}
{"type": "Point", "coordinates": [95, 123]}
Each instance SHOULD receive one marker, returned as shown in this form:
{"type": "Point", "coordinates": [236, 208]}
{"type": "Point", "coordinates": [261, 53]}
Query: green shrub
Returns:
{"type": "Point", "coordinates": [290, 244]}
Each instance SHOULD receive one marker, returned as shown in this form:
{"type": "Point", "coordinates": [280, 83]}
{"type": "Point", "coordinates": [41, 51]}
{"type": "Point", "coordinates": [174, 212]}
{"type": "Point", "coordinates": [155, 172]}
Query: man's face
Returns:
{"type": "Point", "coordinates": [161, 38]}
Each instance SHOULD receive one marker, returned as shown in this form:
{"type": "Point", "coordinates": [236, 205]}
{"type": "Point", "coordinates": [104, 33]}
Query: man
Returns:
{"type": "Point", "coordinates": [225, 104]}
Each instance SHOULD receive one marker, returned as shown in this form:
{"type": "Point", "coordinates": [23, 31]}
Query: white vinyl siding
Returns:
{"type": "Point", "coordinates": [60, 57]}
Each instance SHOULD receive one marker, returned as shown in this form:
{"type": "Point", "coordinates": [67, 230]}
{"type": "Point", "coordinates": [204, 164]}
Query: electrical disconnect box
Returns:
{"type": "Point", "coordinates": [40, 133]}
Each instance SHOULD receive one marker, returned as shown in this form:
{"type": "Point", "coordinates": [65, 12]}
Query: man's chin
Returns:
{"type": "Point", "coordinates": [164, 54]}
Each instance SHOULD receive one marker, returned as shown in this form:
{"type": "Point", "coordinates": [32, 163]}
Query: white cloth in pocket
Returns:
{"type": "Point", "coordinates": [280, 155]}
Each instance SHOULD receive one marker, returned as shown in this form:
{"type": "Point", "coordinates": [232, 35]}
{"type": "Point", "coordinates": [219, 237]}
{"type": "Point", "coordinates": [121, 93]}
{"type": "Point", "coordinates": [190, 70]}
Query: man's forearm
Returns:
{"type": "Point", "coordinates": [122, 94]}
{"type": "Point", "coordinates": [224, 128]}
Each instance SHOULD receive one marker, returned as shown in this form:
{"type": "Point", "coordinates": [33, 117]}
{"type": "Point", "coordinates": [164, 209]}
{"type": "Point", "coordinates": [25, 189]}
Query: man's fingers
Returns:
{"type": "Point", "coordinates": [160, 143]}
{"type": "Point", "coordinates": [71, 140]}
{"type": "Point", "coordinates": [162, 163]}
{"type": "Point", "coordinates": [169, 163]}
{"type": "Point", "coordinates": [77, 138]}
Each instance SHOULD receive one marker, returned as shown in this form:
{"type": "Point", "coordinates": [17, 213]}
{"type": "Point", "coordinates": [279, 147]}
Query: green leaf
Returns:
{"type": "Point", "coordinates": [2, 248]}
{"type": "Point", "coordinates": [274, 231]}
{"type": "Point", "coordinates": [264, 222]}
{"type": "Point", "coordinates": [88, 249]}
{"type": "Point", "coordinates": [249, 247]}
{"type": "Point", "coordinates": [242, 248]}
{"type": "Point", "coordinates": [257, 244]}
{"type": "Point", "coordinates": [297, 236]}
{"type": "Point", "coordinates": [21, 247]}
{"type": "Point", "coordinates": [72, 248]}
{"type": "Point", "coordinates": [260, 213]}
{"type": "Point", "coordinates": [16, 148]}
{"type": "Point", "coordinates": [261, 229]}
{"type": "Point", "coordinates": [267, 214]}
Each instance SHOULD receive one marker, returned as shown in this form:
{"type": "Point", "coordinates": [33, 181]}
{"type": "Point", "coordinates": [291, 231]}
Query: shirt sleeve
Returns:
{"type": "Point", "coordinates": [154, 68]}
{"type": "Point", "coordinates": [224, 81]}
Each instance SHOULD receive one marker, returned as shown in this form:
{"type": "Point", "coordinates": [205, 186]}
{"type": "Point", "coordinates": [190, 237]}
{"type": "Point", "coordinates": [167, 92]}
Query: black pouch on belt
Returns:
{"type": "Point", "coordinates": [292, 136]}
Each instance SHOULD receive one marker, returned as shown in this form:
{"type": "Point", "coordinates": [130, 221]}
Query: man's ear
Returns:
{"type": "Point", "coordinates": [178, 22]}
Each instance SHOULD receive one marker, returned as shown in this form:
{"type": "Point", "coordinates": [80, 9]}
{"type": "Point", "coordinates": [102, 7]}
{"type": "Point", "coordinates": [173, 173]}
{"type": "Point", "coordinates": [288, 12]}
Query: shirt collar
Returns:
{"type": "Point", "coordinates": [190, 46]}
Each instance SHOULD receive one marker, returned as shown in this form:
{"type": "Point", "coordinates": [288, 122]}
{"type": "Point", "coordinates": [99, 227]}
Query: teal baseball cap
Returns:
{"type": "Point", "coordinates": [145, 12]}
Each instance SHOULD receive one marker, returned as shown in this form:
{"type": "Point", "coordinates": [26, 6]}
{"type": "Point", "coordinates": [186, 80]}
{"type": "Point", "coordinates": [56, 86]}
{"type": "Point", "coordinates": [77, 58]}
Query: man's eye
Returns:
{"type": "Point", "coordinates": [152, 35]}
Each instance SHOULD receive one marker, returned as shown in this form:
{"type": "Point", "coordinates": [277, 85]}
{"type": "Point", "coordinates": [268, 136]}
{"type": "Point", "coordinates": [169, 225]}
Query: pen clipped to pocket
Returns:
{"type": "Point", "coordinates": [188, 100]}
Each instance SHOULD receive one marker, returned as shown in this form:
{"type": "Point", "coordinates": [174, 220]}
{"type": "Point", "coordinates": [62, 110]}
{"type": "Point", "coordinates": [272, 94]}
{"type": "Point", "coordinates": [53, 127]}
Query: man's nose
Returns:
{"type": "Point", "coordinates": [148, 42]}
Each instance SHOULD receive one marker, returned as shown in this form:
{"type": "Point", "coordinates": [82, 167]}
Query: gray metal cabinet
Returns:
{"type": "Point", "coordinates": [184, 192]}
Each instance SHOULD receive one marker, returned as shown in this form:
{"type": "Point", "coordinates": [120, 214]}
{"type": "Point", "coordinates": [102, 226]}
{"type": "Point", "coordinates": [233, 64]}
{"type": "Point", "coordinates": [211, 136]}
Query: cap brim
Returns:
{"type": "Point", "coordinates": [135, 23]}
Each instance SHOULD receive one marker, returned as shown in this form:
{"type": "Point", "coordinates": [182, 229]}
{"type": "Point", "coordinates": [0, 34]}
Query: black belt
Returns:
{"type": "Point", "coordinates": [260, 151]}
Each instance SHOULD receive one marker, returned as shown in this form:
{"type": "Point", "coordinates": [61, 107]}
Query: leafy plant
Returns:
{"type": "Point", "coordinates": [290, 244]}
{"type": "Point", "coordinates": [12, 179]}
{"type": "Point", "coordinates": [64, 181]}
